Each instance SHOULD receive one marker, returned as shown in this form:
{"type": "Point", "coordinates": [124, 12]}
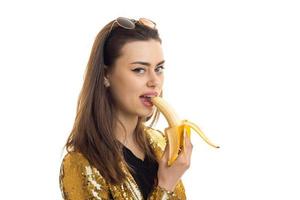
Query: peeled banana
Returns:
{"type": "Point", "coordinates": [175, 131]}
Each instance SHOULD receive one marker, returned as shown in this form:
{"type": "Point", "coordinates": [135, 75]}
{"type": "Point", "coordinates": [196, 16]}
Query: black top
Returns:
{"type": "Point", "coordinates": [145, 171]}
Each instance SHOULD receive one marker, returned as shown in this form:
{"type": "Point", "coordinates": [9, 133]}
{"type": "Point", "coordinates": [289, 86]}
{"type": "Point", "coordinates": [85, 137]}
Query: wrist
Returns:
{"type": "Point", "coordinates": [162, 193]}
{"type": "Point", "coordinates": [166, 186]}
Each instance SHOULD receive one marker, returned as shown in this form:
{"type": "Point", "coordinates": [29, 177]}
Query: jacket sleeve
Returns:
{"type": "Point", "coordinates": [159, 193]}
{"type": "Point", "coordinates": [157, 141]}
{"type": "Point", "coordinates": [79, 181]}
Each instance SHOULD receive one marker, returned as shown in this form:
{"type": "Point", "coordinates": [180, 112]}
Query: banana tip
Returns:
{"type": "Point", "coordinates": [151, 99]}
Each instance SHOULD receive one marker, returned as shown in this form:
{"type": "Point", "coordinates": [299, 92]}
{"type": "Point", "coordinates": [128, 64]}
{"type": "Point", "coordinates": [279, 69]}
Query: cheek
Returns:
{"type": "Point", "coordinates": [127, 90]}
{"type": "Point", "coordinates": [162, 80]}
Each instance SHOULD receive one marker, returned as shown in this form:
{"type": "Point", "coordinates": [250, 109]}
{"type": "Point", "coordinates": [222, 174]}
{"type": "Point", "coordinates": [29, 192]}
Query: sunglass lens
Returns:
{"type": "Point", "coordinates": [147, 22]}
{"type": "Point", "coordinates": [125, 23]}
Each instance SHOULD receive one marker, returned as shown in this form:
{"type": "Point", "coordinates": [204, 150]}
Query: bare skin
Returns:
{"type": "Point", "coordinates": [127, 82]}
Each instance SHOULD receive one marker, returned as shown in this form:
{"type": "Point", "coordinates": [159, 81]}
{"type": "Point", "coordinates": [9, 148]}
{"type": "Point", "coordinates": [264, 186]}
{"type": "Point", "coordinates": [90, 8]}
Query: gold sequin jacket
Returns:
{"type": "Point", "coordinates": [81, 181]}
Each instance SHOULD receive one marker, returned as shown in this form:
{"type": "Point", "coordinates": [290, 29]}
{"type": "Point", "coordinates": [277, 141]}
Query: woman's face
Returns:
{"type": "Point", "coordinates": [139, 70]}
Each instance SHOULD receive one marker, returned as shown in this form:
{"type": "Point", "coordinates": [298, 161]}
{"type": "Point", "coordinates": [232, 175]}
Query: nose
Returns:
{"type": "Point", "coordinates": [153, 80]}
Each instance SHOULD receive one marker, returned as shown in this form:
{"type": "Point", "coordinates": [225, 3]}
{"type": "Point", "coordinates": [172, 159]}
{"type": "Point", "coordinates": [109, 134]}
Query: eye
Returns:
{"type": "Point", "coordinates": [160, 69]}
{"type": "Point", "coordinates": [139, 70]}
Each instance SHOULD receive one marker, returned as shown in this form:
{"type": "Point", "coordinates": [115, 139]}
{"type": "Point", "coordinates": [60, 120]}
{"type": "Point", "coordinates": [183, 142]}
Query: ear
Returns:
{"type": "Point", "coordinates": [106, 73]}
{"type": "Point", "coordinates": [106, 76]}
{"type": "Point", "coordinates": [106, 82]}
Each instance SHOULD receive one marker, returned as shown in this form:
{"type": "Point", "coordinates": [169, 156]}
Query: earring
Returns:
{"type": "Point", "coordinates": [106, 83]}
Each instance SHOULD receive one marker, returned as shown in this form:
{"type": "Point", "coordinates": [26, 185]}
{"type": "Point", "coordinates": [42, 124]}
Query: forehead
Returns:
{"type": "Point", "coordinates": [148, 51]}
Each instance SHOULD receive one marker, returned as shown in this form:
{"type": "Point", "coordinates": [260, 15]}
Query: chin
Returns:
{"type": "Point", "coordinates": [146, 114]}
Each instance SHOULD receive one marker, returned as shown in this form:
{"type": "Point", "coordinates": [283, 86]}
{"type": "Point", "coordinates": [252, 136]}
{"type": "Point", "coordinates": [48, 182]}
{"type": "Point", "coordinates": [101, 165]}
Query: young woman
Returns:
{"type": "Point", "coordinates": [111, 153]}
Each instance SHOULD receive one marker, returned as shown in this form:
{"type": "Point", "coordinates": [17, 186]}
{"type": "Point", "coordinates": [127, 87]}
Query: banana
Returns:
{"type": "Point", "coordinates": [176, 129]}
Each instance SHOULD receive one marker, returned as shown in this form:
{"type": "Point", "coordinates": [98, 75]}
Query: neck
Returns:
{"type": "Point", "coordinates": [130, 122]}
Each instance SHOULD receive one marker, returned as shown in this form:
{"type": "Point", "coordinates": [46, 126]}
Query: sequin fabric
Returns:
{"type": "Point", "coordinates": [81, 181]}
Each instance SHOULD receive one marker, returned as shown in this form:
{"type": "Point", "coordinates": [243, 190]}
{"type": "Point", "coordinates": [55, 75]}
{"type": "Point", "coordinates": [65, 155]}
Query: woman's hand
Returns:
{"type": "Point", "coordinates": [169, 176]}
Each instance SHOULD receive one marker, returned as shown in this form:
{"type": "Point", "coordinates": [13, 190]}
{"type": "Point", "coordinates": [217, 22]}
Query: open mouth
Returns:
{"type": "Point", "coordinates": [146, 100]}
{"type": "Point", "coordinates": [146, 97]}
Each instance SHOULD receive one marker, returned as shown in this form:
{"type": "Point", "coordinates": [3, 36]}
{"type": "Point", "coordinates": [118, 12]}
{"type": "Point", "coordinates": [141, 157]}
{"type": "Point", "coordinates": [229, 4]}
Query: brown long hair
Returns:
{"type": "Point", "coordinates": [92, 132]}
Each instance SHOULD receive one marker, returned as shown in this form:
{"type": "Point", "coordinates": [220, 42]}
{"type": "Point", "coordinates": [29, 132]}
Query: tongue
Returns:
{"type": "Point", "coordinates": [146, 98]}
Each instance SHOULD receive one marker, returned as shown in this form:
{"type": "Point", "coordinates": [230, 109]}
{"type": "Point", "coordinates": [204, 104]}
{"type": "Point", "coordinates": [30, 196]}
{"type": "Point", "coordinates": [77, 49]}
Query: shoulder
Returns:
{"type": "Point", "coordinates": [156, 139]}
{"type": "Point", "coordinates": [77, 162]}
{"type": "Point", "coordinates": [156, 136]}
{"type": "Point", "coordinates": [73, 168]}
{"type": "Point", "coordinates": [78, 179]}
{"type": "Point", "coordinates": [72, 159]}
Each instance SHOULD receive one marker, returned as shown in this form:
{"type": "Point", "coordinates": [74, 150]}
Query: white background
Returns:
{"type": "Point", "coordinates": [231, 67]}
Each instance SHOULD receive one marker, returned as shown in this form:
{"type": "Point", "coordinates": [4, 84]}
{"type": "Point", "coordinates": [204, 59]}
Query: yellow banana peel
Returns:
{"type": "Point", "coordinates": [176, 129]}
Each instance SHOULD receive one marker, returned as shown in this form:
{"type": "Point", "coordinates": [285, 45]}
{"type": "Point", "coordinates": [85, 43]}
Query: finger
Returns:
{"type": "Point", "coordinates": [188, 145]}
{"type": "Point", "coordinates": [165, 153]}
{"type": "Point", "coordinates": [184, 140]}
{"type": "Point", "coordinates": [189, 150]}
{"type": "Point", "coordinates": [188, 139]}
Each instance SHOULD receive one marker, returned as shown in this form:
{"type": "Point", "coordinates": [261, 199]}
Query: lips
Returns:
{"type": "Point", "coordinates": [146, 98]}
{"type": "Point", "coordinates": [149, 94]}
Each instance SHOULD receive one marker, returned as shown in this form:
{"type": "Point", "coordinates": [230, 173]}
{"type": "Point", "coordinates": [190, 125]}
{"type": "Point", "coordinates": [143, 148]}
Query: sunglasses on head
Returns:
{"type": "Point", "coordinates": [130, 23]}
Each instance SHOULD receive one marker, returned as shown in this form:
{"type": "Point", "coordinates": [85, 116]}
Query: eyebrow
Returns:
{"type": "Point", "coordinates": [146, 63]}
